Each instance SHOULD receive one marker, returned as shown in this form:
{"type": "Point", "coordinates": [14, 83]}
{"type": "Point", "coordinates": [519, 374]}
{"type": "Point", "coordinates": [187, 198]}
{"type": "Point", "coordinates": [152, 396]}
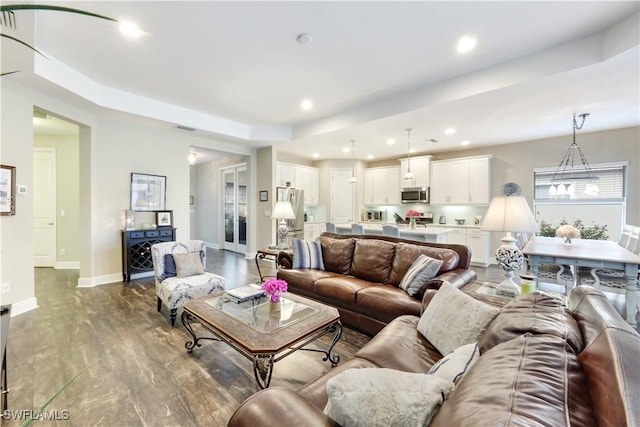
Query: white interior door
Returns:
{"type": "Point", "coordinates": [44, 207]}
{"type": "Point", "coordinates": [235, 191]}
{"type": "Point", "coordinates": [342, 194]}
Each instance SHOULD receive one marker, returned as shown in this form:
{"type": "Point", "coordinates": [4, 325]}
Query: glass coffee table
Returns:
{"type": "Point", "coordinates": [259, 333]}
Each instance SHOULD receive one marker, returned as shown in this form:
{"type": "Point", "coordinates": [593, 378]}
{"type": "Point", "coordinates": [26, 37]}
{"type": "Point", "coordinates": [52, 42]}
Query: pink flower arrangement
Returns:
{"type": "Point", "coordinates": [274, 287]}
{"type": "Point", "coordinates": [412, 212]}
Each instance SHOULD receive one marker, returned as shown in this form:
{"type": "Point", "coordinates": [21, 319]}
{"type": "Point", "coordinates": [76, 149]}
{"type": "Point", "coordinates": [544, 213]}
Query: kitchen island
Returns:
{"type": "Point", "coordinates": [427, 233]}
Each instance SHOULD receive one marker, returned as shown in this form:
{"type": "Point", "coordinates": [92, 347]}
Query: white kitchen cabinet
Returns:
{"type": "Point", "coordinates": [419, 168]}
{"type": "Point", "coordinates": [304, 178]}
{"type": "Point", "coordinates": [478, 241]}
{"type": "Point", "coordinates": [457, 236]}
{"type": "Point", "coordinates": [382, 185]}
{"type": "Point", "coordinates": [463, 181]}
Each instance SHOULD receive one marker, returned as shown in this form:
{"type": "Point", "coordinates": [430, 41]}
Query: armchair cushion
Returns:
{"type": "Point", "coordinates": [169, 266]}
{"type": "Point", "coordinates": [188, 264]}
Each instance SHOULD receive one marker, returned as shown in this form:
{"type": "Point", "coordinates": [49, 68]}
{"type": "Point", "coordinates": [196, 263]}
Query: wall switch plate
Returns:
{"type": "Point", "coordinates": [6, 288]}
{"type": "Point", "coordinates": [21, 190]}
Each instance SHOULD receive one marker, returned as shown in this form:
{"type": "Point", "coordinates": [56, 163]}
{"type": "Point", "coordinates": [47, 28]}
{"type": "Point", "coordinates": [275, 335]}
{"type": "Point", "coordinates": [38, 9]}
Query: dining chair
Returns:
{"type": "Point", "coordinates": [331, 227]}
{"type": "Point", "coordinates": [357, 229]}
{"type": "Point", "coordinates": [390, 230]}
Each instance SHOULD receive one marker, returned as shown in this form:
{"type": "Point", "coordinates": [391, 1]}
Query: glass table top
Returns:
{"type": "Point", "coordinates": [258, 313]}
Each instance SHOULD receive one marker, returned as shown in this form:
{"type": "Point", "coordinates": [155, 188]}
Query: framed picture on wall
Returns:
{"type": "Point", "coordinates": [264, 196]}
{"type": "Point", "coordinates": [164, 218]}
{"type": "Point", "coordinates": [148, 192]}
{"type": "Point", "coordinates": [7, 190]}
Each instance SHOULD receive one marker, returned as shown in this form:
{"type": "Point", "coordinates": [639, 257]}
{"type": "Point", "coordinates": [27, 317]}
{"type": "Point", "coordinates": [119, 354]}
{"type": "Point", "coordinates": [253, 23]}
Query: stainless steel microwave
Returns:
{"type": "Point", "coordinates": [415, 195]}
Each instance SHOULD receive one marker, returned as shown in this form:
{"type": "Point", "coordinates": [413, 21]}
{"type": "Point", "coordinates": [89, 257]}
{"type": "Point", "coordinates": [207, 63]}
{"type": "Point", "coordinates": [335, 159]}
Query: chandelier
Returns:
{"type": "Point", "coordinates": [573, 167]}
{"type": "Point", "coordinates": [408, 176]}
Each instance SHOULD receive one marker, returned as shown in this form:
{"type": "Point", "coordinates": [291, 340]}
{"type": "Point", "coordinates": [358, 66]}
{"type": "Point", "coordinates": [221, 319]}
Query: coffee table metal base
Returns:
{"type": "Point", "coordinates": [263, 362]}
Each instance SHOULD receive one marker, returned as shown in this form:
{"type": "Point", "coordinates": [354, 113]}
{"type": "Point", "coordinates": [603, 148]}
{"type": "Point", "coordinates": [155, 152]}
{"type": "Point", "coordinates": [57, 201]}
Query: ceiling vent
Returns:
{"type": "Point", "coordinates": [187, 128]}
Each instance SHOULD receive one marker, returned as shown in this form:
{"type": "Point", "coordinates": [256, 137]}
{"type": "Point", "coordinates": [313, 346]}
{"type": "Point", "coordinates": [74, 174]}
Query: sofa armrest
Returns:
{"type": "Point", "coordinates": [285, 260]}
{"type": "Point", "coordinates": [458, 278]}
{"type": "Point", "coordinates": [278, 406]}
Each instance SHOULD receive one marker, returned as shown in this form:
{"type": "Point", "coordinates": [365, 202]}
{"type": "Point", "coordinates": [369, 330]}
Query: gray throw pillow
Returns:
{"type": "Point", "coordinates": [384, 397]}
{"type": "Point", "coordinates": [417, 276]}
{"type": "Point", "coordinates": [307, 254]}
{"type": "Point", "coordinates": [189, 264]}
{"type": "Point", "coordinates": [453, 319]}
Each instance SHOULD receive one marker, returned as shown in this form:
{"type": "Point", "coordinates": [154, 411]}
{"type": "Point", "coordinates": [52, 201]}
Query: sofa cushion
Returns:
{"type": "Point", "coordinates": [188, 264]}
{"type": "Point", "coordinates": [340, 289]}
{"type": "Point", "coordinates": [537, 313]}
{"type": "Point", "coordinates": [384, 397]}
{"type": "Point", "coordinates": [454, 365]}
{"type": "Point", "coordinates": [531, 380]}
{"type": "Point", "coordinates": [400, 346]}
{"type": "Point", "coordinates": [303, 280]}
{"type": "Point", "coordinates": [372, 260]}
{"type": "Point", "coordinates": [307, 254]}
{"type": "Point", "coordinates": [421, 270]}
{"type": "Point", "coordinates": [406, 253]}
{"type": "Point", "coordinates": [337, 254]}
{"type": "Point", "coordinates": [386, 302]}
{"type": "Point", "coordinates": [453, 318]}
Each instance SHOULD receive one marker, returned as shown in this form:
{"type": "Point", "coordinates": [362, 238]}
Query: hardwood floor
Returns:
{"type": "Point", "coordinates": [142, 373]}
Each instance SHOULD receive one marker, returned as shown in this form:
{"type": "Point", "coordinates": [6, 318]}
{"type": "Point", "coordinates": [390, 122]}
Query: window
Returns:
{"type": "Point", "coordinates": [608, 207]}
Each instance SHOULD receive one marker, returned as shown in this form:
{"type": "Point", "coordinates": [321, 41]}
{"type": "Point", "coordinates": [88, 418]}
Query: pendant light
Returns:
{"type": "Point", "coordinates": [353, 178]}
{"type": "Point", "coordinates": [568, 171]}
{"type": "Point", "coordinates": [408, 176]}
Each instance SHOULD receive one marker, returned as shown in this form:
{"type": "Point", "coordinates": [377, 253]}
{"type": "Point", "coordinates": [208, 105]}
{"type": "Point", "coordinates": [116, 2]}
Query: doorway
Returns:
{"type": "Point", "coordinates": [235, 188]}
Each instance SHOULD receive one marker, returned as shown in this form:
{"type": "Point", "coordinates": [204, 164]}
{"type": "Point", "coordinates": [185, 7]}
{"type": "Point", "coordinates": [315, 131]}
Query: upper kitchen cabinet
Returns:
{"type": "Point", "coordinates": [382, 185]}
{"type": "Point", "coordinates": [419, 168]}
{"type": "Point", "coordinates": [463, 181]}
{"type": "Point", "coordinates": [304, 178]}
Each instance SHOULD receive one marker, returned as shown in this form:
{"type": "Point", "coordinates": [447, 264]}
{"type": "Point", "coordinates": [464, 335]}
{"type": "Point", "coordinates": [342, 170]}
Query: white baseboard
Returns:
{"type": "Point", "coordinates": [69, 265]}
{"type": "Point", "coordinates": [212, 245]}
{"type": "Point", "coordinates": [90, 282]}
{"type": "Point", "coordinates": [24, 306]}
{"type": "Point", "coordinates": [250, 255]}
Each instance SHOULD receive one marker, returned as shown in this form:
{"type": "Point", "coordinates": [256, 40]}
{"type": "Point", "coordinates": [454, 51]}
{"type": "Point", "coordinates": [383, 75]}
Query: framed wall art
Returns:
{"type": "Point", "coordinates": [7, 190]}
{"type": "Point", "coordinates": [264, 196]}
{"type": "Point", "coordinates": [164, 218]}
{"type": "Point", "coordinates": [148, 192]}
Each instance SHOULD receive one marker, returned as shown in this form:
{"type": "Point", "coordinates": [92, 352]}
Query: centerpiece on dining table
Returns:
{"type": "Point", "coordinates": [274, 288]}
{"type": "Point", "coordinates": [568, 232]}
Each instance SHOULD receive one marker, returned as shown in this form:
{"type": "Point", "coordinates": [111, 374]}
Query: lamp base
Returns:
{"type": "Point", "coordinates": [283, 230]}
{"type": "Point", "coordinates": [510, 259]}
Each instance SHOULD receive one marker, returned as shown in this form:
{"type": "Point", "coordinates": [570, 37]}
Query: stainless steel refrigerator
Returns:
{"type": "Point", "coordinates": [296, 198]}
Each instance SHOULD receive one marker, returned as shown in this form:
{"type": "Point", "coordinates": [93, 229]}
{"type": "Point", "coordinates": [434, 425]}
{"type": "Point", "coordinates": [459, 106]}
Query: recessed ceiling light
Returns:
{"type": "Point", "coordinates": [130, 29]}
{"type": "Point", "coordinates": [465, 142]}
{"type": "Point", "coordinates": [315, 155]}
{"type": "Point", "coordinates": [306, 104]}
{"type": "Point", "coordinates": [391, 141]}
{"type": "Point", "coordinates": [466, 44]}
{"type": "Point", "coordinates": [303, 38]}
{"type": "Point", "coordinates": [370, 156]}
{"type": "Point", "coordinates": [345, 149]}
{"type": "Point", "coordinates": [450, 131]}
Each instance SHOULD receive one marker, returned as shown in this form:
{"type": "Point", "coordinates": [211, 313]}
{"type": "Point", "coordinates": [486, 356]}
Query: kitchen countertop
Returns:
{"type": "Point", "coordinates": [404, 229]}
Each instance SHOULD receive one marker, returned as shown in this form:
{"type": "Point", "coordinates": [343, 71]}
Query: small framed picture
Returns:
{"type": "Point", "coordinates": [7, 190]}
{"type": "Point", "coordinates": [264, 196]}
{"type": "Point", "coordinates": [164, 218]}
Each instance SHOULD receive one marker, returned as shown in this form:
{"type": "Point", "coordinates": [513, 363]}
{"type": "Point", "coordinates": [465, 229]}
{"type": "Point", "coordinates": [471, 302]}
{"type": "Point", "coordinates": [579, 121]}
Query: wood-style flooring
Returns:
{"type": "Point", "coordinates": [141, 373]}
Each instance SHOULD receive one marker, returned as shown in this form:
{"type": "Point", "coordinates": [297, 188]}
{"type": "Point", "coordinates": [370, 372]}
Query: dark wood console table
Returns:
{"type": "Point", "coordinates": [136, 249]}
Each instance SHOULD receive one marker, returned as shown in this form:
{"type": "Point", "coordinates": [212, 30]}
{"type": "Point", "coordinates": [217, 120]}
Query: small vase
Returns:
{"type": "Point", "coordinates": [274, 309]}
{"type": "Point", "coordinates": [412, 222]}
{"type": "Point", "coordinates": [567, 241]}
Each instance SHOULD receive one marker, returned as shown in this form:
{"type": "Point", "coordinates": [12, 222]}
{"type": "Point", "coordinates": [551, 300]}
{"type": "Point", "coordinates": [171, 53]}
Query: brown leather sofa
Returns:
{"type": "Point", "coordinates": [362, 274]}
{"type": "Point", "coordinates": [541, 364]}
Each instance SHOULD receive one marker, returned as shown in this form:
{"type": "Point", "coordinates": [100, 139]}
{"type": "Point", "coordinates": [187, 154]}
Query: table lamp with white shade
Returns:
{"type": "Point", "coordinates": [282, 211]}
{"type": "Point", "coordinates": [512, 215]}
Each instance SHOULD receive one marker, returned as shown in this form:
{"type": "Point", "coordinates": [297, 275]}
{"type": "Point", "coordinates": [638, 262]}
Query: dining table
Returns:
{"type": "Point", "coordinates": [590, 254]}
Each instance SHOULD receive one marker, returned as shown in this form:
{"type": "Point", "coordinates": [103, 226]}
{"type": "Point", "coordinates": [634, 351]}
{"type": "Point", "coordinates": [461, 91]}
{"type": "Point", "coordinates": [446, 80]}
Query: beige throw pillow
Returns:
{"type": "Point", "coordinates": [453, 319]}
{"type": "Point", "coordinates": [188, 264]}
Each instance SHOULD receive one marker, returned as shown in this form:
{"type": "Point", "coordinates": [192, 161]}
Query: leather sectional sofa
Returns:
{"type": "Point", "coordinates": [540, 364]}
{"type": "Point", "coordinates": [362, 273]}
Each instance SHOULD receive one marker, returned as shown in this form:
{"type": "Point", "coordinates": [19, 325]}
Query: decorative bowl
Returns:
{"type": "Point", "coordinates": [459, 221]}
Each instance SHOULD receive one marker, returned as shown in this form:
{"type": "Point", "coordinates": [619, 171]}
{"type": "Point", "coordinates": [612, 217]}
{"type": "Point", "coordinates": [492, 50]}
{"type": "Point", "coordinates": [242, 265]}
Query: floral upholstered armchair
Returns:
{"type": "Point", "coordinates": [178, 268]}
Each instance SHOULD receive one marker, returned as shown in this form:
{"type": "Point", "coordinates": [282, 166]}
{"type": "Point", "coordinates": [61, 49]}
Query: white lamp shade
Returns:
{"type": "Point", "coordinates": [283, 210]}
{"type": "Point", "coordinates": [509, 213]}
